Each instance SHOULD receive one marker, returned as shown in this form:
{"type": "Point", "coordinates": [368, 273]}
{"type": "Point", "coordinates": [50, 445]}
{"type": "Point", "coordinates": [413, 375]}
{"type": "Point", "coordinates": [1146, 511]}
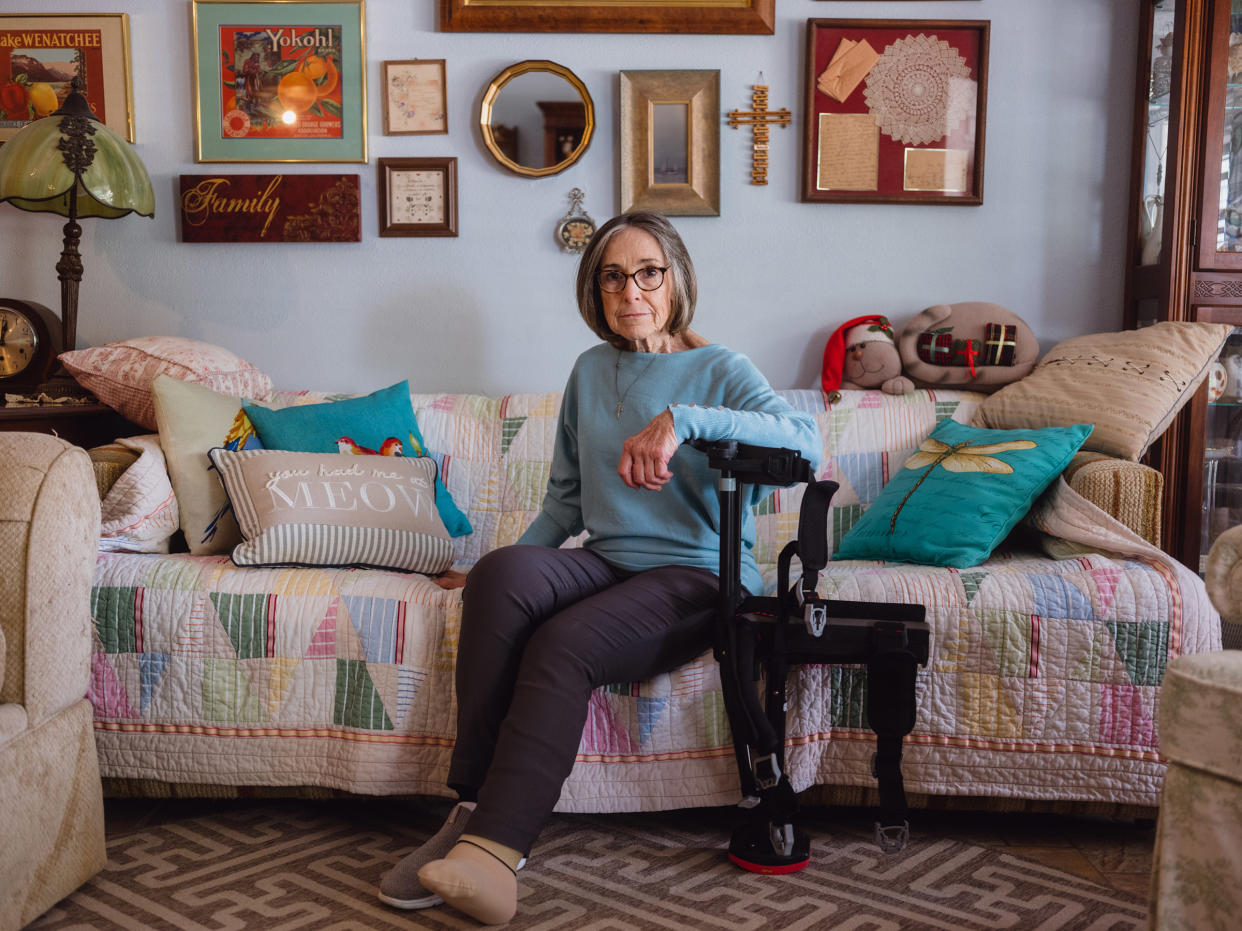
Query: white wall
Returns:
{"type": "Point", "coordinates": [492, 311]}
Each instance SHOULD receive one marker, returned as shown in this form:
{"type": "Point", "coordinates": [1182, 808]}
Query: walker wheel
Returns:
{"type": "Point", "coordinates": [752, 848]}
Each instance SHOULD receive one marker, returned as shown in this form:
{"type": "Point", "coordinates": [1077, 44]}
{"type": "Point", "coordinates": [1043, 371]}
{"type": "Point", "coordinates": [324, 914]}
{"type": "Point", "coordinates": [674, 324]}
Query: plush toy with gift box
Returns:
{"type": "Point", "coordinates": [974, 345]}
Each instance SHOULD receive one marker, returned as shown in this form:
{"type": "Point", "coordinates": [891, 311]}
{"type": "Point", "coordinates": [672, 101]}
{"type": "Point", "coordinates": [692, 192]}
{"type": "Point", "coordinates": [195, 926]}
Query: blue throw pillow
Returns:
{"type": "Point", "coordinates": [961, 494]}
{"type": "Point", "coordinates": [374, 423]}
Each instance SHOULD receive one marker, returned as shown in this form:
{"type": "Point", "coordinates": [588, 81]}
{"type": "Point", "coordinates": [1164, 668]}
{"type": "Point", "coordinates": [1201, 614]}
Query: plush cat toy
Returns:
{"type": "Point", "coordinates": [972, 345]}
{"type": "Point", "coordinates": [862, 354]}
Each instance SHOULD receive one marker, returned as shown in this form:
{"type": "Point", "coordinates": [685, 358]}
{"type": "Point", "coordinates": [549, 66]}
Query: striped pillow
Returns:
{"type": "Point", "coordinates": [333, 509]}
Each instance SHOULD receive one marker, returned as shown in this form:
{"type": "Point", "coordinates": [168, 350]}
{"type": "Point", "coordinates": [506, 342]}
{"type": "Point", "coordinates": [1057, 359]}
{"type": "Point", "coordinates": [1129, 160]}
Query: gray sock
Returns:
{"type": "Point", "coordinates": [400, 887]}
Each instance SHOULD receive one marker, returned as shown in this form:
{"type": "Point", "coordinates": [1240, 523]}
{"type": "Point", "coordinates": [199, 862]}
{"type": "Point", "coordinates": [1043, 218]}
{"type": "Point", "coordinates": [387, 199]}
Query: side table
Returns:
{"type": "Point", "coordinates": [89, 424]}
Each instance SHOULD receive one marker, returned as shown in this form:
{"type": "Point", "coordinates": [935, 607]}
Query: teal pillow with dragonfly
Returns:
{"type": "Point", "coordinates": [963, 491]}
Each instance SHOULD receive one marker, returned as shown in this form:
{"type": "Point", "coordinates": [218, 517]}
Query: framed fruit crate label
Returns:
{"type": "Point", "coordinates": [40, 54]}
{"type": "Point", "coordinates": [279, 81]}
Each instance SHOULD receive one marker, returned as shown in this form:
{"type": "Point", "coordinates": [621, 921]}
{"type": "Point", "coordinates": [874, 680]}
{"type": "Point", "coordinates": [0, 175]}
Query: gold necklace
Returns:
{"type": "Point", "coordinates": [616, 381]}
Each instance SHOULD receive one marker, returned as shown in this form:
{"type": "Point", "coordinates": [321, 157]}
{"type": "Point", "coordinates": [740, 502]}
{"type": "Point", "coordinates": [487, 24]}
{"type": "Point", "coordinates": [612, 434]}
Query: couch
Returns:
{"type": "Point", "coordinates": [1042, 686]}
{"type": "Point", "coordinates": [51, 805]}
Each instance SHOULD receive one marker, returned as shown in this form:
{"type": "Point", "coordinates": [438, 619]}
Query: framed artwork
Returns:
{"type": "Point", "coordinates": [279, 81]}
{"type": "Point", "coordinates": [415, 98]}
{"type": "Point", "coordinates": [417, 196]}
{"type": "Point", "coordinates": [40, 54]}
{"type": "Point", "coordinates": [670, 142]}
{"type": "Point", "coordinates": [716, 17]}
{"type": "Point", "coordinates": [894, 111]}
{"type": "Point", "coordinates": [271, 208]}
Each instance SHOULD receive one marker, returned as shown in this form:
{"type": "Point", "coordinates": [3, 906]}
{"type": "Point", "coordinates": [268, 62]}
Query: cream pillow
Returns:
{"type": "Point", "coordinates": [192, 420]}
{"type": "Point", "coordinates": [1130, 384]}
{"type": "Point", "coordinates": [120, 374]}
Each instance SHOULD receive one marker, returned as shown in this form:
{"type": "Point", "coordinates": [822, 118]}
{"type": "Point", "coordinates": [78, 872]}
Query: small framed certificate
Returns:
{"type": "Point", "coordinates": [414, 98]}
{"type": "Point", "coordinates": [417, 196]}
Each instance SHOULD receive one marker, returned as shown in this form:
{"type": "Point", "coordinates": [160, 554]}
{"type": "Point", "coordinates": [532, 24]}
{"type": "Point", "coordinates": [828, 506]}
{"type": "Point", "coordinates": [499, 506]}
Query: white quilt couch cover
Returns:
{"type": "Point", "coordinates": [1042, 682]}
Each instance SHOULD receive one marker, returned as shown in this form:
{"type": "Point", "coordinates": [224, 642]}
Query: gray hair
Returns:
{"type": "Point", "coordinates": [680, 274]}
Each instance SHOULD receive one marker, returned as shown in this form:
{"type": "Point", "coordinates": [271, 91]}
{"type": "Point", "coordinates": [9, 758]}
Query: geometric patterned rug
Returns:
{"type": "Point", "coordinates": [297, 864]}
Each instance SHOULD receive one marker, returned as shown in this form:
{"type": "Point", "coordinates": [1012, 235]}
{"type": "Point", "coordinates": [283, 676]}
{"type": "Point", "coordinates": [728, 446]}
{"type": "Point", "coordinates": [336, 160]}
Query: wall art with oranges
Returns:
{"type": "Point", "coordinates": [279, 81]}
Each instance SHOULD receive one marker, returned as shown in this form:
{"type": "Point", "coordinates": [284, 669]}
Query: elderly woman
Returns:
{"type": "Point", "coordinates": [541, 626]}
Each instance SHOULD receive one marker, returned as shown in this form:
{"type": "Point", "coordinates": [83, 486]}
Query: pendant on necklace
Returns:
{"type": "Point", "coordinates": [618, 410]}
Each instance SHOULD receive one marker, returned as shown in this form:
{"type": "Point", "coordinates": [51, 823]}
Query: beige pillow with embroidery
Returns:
{"type": "Point", "coordinates": [334, 509]}
{"type": "Point", "coordinates": [1130, 384]}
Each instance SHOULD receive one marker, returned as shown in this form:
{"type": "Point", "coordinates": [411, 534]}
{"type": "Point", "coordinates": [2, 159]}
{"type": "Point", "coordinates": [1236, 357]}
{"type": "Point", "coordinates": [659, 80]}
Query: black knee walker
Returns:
{"type": "Point", "coordinates": [797, 627]}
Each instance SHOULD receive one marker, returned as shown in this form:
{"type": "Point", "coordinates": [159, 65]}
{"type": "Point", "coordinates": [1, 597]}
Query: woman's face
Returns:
{"type": "Point", "coordinates": [632, 313]}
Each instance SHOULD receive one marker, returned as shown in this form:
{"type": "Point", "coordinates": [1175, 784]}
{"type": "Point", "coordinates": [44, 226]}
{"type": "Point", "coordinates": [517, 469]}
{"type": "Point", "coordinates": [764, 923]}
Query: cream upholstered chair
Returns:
{"type": "Point", "coordinates": [51, 802]}
{"type": "Point", "coordinates": [1198, 856]}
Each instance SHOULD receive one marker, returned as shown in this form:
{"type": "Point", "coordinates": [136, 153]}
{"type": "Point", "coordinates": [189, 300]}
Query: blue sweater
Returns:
{"type": "Point", "coordinates": [714, 394]}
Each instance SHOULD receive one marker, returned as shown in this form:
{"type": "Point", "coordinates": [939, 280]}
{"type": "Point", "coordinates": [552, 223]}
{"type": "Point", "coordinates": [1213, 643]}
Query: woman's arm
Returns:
{"type": "Point", "coordinates": [753, 414]}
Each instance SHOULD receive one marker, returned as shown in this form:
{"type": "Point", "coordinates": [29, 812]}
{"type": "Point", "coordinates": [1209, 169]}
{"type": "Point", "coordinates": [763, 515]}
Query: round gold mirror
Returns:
{"type": "Point", "coordinates": [537, 118]}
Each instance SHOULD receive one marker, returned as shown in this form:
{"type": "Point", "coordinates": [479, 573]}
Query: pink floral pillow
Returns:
{"type": "Point", "coordinates": [120, 374]}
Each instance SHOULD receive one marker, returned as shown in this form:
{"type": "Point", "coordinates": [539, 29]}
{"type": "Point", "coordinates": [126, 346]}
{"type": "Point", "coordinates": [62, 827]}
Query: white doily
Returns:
{"type": "Point", "coordinates": [920, 90]}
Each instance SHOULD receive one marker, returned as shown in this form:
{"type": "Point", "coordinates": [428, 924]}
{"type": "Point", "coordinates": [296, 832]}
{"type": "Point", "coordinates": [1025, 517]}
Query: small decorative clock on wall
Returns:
{"type": "Point", "coordinates": [30, 336]}
{"type": "Point", "coordinates": [575, 229]}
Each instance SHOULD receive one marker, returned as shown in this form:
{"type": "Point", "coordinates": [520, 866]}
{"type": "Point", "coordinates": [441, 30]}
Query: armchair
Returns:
{"type": "Point", "coordinates": [51, 800]}
{"type": "Point", "coordinates": [1199, 838]}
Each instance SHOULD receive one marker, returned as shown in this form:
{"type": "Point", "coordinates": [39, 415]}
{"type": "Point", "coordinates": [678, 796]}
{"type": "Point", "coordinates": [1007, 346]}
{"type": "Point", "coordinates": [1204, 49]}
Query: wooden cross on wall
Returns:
{"type": "Point", "coordinates": [759, 119]}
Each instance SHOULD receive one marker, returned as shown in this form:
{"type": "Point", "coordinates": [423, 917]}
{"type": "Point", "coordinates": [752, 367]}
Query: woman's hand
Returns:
{"type": "Point", "coordinates": [645, 455]}
{"type": "Point", "coordinates": [450, 579]}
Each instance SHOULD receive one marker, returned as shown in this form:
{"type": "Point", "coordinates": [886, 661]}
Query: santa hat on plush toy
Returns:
{"type": "Point", "coordinates": [859, 330]}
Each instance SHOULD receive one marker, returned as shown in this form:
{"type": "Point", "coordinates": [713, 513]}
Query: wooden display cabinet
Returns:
{"type": "Point", "coordinates": [1185, 244]}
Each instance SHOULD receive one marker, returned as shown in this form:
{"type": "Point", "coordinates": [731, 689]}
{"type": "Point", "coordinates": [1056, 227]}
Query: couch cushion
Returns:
{"type": "Point", "coordinates": [120, 374]}
{"type": "Point", "coordinates": [961, 494]}
{"type": "Point", "coordinates": [1130, 384]}
{"type": "Point", "coordinates": [1201, 713]}
{"type": "Point", "coordinates": [192, 420]}
{"type": "Point", "coordinates": [333, 509]}
{"type": "Point", "coordinates": [369, 422]}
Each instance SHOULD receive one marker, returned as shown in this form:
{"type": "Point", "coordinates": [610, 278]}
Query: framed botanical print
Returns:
{"type": "Point", "coordinates": [415, 99]}
{"type": "Point", "coordinates": [417, 196]}
{"type": "Point", "coordinates": [279, 81]}
{"type": "Point", "coordinates": [894, 111]}
{"type": "Point", "coordinates": [41, 54]}
{"type": "Point", "coordinates": [670, 142]}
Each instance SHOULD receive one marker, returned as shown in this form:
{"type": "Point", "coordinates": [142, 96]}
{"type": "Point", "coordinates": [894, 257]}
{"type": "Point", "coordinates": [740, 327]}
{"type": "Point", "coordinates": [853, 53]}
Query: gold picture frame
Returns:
{"type": "Point", "coordinates": [415, 97]}
{"type": "Point", "coordinates": [670, 142]}
{"type": "Point", "coordinates": [714, 17]}
{"type": "Point", "coordinates": [280, 80]}
{"type": "Point", "coordinates": [99, 46]}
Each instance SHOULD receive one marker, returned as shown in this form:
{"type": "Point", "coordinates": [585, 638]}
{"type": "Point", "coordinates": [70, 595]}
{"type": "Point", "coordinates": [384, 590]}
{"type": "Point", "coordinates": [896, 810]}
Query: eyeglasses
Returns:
{"type": "Point", "coordinates": [648, 278]}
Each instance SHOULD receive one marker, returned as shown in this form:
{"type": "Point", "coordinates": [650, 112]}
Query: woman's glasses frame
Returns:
{"type": "Point", "coordinates": [618, 278]}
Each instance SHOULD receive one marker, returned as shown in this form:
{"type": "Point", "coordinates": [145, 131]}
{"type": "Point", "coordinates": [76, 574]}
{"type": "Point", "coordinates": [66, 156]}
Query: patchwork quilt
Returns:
{"type": "Point", "coordinates": [1043, 679]}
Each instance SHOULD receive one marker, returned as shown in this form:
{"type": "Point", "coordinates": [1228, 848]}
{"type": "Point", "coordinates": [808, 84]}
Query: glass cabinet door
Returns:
{"type": "Point", "coordinates": [1220, 239]}
{"type": "Point", "coordinates": [1222, 454]}
{"type": "Point", "coordinates": [1229, 211]}
{"type": "Point", "coordinates": [1156, 140]}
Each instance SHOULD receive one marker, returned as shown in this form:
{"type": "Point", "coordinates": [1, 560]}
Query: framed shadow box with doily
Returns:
{"type": "Point", "coordinates": [895, 111]}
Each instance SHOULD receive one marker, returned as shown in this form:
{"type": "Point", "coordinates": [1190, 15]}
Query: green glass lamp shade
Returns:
{"type": "Point", "coordinates": [34, 174]}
